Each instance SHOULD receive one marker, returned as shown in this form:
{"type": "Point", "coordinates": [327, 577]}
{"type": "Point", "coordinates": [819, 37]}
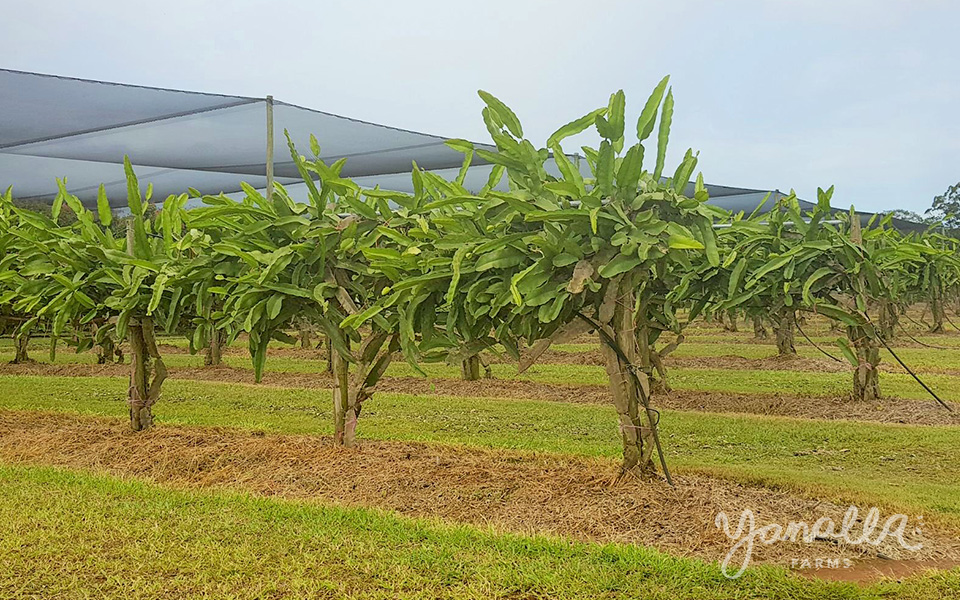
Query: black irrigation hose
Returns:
{"type": "Point", "coordinates": [922, 325]}
{"type": "Point", "coordinates": [904, 365]}
{"type": "Point", "coordinates": [915, 340]}
{"type": "Point", "coordinates": [932, 393]}
{"type": "Point", "coordinates": [912, 320]}
{"type": "Point", "coordinates": [631, 369]}
{"type": "Point", "coordinates": [949, 321]}
{"type": "Point", "coordinates": [806, 337]}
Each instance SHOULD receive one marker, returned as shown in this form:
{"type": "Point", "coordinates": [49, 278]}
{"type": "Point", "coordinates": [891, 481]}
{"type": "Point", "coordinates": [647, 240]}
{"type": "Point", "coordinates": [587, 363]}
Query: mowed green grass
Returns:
{"type": "Point", "coordinates": [77, 535]}
{"type": "Point", "coordinates": [948, 339]}
{"type": "Point", "coordinates": [740, 381]}
{"type": "Point", "coordinates": [905, 466]}
{"type": "Point", "coordinates": [74, 534]}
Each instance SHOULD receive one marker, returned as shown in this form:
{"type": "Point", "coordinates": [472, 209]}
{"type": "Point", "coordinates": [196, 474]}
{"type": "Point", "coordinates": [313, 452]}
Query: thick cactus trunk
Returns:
{"type": "Point", "coordinates": [21, 341]}
{"type": "Point", "coordinates": [470, 368]}
{"type": "Point", "coordinates": [889, 318]}
{"type": "Point", "coordinates": [866, 380]}
{"type": "Point", "coordinates": [341, 391]}
{"type": "Point", "coordinates": [936, 312]}
{"type": "Point", "coordinates": [759, 331]}
{"type": "Point", "coordinates": [213, 355]}
{"type": "Point", "coordinates": [147, 373]}
{"type": "Point", "coordinates": [353, 387]}
{"type": "Point", "coordinates": [783, 325]}
{"type": "Point", "coordinates": [650, 358]}
{"type": "Point", "coordinates": [305, 338]}
{"type": "Point", "coordinates": [731, 323]}
{"type": "Point", "coordinates": [106, 351]}
{"type": "Point", "coordinates": [636, 427]}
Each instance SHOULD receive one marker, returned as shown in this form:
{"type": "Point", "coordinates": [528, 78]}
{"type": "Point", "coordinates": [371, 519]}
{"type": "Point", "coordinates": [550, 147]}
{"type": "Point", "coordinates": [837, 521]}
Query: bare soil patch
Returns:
{"type": "Point", "coordinates": [821, 364]}
{"type": "Point", "coordinates": [279, 352]}
{"type": "Point", "coordinates": [773, 363]}
{"type": "Point", "coordinates": [900, 341]}
{"type": "Point", "coordinates": [866, 571]}
{"type": "Point", "coordinates": [507, 490]}
{"type": "Point", "coordinates": [888, 410]}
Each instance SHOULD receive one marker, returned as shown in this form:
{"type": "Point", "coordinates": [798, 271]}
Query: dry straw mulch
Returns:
{"type": "Point", "coordinates": [507, 490]}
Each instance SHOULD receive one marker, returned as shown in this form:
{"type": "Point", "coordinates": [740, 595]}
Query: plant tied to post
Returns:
{"type": "Point", "coordinates": [81, 275]}
{"type": "Point", "coordinates": [823, 261]}
{"type": "Point", "coordinates": [939, 272]}
{"type": "Point", "coordinates": [13, 316]}
{"type": "Point", "coordinates": [562, 252]}
{"type": "Point", "coordinates": [280, 263]}
{"type": "Point", "coordinates": [443, 273]}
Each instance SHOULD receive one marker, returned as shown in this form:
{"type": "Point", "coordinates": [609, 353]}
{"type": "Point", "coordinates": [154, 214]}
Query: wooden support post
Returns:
{"type": "Point", "coordinates": [866, 381]}
{"type": "Point", "coordinates": [269, 148]}
{"type": "Point", "coordinates": [147, 370]}
{"type": "Point", "coordinates": [130, 235]}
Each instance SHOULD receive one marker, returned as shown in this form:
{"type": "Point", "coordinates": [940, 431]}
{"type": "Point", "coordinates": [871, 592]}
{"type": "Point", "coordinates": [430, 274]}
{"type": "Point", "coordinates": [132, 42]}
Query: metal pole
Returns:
{"type": "Point", "coordinates": [269, 148]}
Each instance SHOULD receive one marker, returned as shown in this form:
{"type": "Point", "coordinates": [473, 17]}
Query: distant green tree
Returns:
{"type": "Point", "coordinates": [909, 215]}
{"type": "Point", "coordinates": [946, 210]}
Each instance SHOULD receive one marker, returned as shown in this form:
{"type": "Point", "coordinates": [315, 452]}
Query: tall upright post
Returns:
{"type": "Point", "coordinates": [130, 235]}
{"type": "Point", "coordinates": [269, 148]}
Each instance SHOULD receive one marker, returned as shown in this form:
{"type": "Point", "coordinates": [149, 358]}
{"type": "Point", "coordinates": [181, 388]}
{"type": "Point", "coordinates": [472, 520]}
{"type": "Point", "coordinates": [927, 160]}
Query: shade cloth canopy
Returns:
{"type": "Point", "coordinates": [54, 127]}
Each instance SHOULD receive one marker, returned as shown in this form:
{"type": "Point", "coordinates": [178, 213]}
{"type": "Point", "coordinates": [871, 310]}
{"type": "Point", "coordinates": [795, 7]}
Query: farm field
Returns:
{"type": "Point", "coordinates": [494, 488]}
{"type": "Point", "coordinates": [531, 389]}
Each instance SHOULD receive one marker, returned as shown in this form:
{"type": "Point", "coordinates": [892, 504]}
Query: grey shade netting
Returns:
{"type": "Point", "coordinates": [79, 129]}
{"type": "Point", "coordinates": [53, 126]}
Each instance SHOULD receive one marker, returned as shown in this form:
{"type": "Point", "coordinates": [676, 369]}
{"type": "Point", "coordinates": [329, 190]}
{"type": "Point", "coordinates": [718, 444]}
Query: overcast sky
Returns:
{"type": "Point", "coordinates": [786, 94]}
